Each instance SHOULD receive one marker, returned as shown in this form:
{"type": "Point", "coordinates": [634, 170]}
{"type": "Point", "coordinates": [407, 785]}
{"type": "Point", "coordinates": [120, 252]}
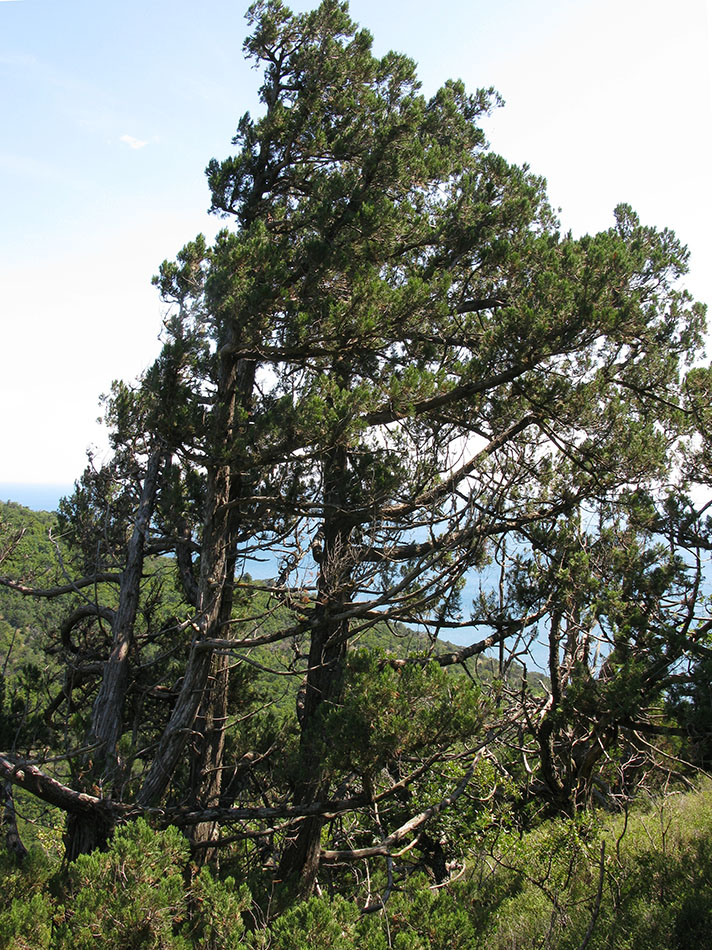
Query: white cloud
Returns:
{"type": "Point", "coordinates": [130, 140]}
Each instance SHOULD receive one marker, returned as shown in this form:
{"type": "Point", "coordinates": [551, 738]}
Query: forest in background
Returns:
{"type": "Point", "coordinates": [389, 374]}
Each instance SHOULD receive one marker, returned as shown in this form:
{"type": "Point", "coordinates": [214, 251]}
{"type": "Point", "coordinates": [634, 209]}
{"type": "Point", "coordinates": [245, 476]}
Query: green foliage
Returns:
{"type": "Point", "coordinates": [27, 670]}
{"type": "Point", "coordinates": [30, 556]}
{"type": "Point", "coordinates": [387, 710]}
{"type": "Point", "coordinates": [655, 881]}
{"type": "Point", "coordinates": [27, 924]}
{"type": "Point", "coordinates": [140, 893]}
{"type": "Point", "coordinates": [26, 905]}
{"type": "Point", "coordinates": [390, 364]}
{"type": "Point", "coordinates": [518, 891]}
{"type": "Point", "coordinates": [136, 895]}
{"type": "Point", "coordinates": [541, 890]}
{"type": "Point", "coordinates": [315, 923]}
{"type": "Point", "coordinates": [659, 882]}
{"type": "Point", "coordinates": [216, 909]}
{"type": "Point", "coordinates": [132, 895]}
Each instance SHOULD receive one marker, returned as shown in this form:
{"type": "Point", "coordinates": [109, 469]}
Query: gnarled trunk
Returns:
{"type": "Point", "coordinates": [236, 382]}
{"type": "Point", "coordinates": [300, 859]}
{"type": "Point", "coordinates": [85, 832]}
{"type": "Point", "coordinates": [13, 841]}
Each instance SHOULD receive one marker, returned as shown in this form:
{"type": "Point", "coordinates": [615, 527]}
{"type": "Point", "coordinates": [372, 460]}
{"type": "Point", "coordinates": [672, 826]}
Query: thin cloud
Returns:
{"type": "Point", "coordinates": [129, 139]}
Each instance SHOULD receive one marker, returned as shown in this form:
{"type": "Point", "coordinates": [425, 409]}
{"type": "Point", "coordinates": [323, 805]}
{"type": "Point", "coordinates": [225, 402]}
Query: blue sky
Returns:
{"type": "Point", "coordinates": [110, 112]}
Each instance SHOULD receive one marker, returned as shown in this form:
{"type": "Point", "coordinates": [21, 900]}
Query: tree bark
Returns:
{"type": "Point", "coordinates": [85, 832]}
{"type": "Point", "coordinates": [213, 713]}
{"type": "Point", "coordinates": [235, 386]}
{"type": "Point", "coordinates": [300, 860]}
{"type": "Point", "coordinates": [13, 841]}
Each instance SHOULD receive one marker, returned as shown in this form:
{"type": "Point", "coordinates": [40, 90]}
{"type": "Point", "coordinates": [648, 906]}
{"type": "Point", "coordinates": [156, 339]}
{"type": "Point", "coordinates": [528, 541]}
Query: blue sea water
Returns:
{"type": "Point", "coordinates": [38, 497]}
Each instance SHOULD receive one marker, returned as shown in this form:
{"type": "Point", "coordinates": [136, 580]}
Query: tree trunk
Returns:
{"type": "Point", "coordinates": [235, 386]}
{"type": "Point", "coordinates": [208, 765]}
{"type": "Point", "coordinates": [84, 832]}
{"type": "Point", "coordinates": [13, 841]}
{"type": "Point", "coordinates": [300, 860]}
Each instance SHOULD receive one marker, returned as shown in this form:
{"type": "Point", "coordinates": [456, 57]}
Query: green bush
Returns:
{"type": "Point", "coordinates": [541, 890]}
{"type": "Point", "coordinates": [135, 896]}
{"type": "Point", "coordinates": [538, 889]}
{"type": "Point", "coordinates": [25, 905]}
{"type": "Point", "coordinates": [217, 908]}
{"type": "Point", "coordinates": [27, 924]}
{"type": "Point", "coordinates": [317, 924]}
{"type": "Point", "coordinates": [656, 885]}
{"type": "Point", "coordinates": [131, 896]}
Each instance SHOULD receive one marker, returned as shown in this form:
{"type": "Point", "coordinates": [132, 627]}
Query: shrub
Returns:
{"type": "Point", "coordinates": [134, 896]}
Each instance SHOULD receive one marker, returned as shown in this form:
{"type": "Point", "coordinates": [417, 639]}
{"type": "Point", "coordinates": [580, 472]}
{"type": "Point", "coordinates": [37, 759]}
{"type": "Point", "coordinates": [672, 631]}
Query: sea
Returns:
{"type": "Point", "coordinates": [39, 496]}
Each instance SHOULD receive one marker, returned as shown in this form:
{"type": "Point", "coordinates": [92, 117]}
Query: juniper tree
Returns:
{"type": "Point", "coordinates": [388, 361]}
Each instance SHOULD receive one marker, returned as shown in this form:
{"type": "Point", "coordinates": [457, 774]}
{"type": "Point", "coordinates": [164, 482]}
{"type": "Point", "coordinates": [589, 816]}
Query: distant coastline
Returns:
{"type": "Point", "coordinates": [38, 497]}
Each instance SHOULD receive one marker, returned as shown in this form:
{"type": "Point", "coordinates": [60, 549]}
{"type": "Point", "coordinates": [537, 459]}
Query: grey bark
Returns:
{"type": "Point", "coordinates": [300, 861]}
{"type": "Point", "coordinates": [235, 385]}
{"type": "Point", "coordinates": [13, 841]}
{"type": "Point", "coordinates": [87, 832]}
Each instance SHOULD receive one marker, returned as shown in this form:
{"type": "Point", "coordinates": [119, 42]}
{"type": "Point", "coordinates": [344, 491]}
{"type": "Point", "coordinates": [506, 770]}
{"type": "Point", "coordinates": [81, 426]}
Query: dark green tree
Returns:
{"type": "Point", "coordinates": [387, 364]}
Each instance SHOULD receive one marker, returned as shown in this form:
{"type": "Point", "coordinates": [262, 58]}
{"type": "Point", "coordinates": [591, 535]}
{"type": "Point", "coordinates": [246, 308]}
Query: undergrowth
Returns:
{"type": "Point", "coordinates": [635, 881]}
